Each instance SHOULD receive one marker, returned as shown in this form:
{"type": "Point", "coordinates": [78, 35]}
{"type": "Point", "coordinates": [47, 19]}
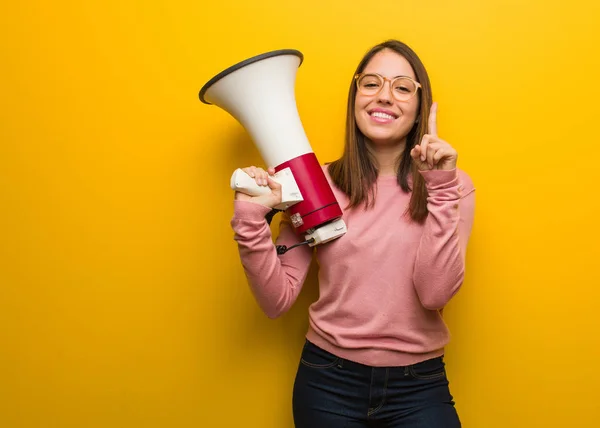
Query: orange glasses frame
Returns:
{"type": "Point", "coordinates": [385, 79]}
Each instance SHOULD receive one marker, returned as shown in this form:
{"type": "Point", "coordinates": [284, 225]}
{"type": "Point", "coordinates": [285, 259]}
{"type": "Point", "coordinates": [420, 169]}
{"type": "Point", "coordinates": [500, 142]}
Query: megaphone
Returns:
{"type": "Point", "coordinates": [259, 93]}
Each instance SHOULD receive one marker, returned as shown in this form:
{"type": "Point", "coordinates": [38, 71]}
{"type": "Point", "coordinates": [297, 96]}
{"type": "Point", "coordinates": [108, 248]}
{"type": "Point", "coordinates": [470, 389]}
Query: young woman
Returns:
{"type": "Point", "coordinates": [374, 348]}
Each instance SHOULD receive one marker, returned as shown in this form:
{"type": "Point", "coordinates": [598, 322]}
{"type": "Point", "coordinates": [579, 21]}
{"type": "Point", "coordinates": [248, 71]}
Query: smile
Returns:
{"type": "Point", "coordinates": [382, 115]}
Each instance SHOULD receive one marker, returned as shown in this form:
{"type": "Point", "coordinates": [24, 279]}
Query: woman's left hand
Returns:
{"type": "Point", "coordinates": [433, 152]}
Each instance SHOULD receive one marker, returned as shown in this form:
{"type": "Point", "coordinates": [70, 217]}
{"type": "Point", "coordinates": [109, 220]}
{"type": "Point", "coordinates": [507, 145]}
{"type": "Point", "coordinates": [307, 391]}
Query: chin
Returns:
{"type": "Point", "coordinates": [383, 134]}
{"type": "Point", "coordinates": [387, 139]}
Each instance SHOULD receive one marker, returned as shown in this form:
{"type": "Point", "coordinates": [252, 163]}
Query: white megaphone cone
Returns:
{"type": "Point", "coordinates": [259, 93]}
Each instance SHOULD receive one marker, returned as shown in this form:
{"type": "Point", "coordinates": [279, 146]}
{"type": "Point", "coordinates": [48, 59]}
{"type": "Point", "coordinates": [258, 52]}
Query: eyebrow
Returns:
{"type": "Point", "coordinates": [401, 75]}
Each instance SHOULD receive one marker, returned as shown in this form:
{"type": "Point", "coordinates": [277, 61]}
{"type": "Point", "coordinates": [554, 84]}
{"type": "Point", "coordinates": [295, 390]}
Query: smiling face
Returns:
{"type": "Point", "coordinates": [381, 118]}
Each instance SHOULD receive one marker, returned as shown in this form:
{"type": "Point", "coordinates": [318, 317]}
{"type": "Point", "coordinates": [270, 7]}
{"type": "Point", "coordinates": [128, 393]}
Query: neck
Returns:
{"type": "Point", "coordinates": [387, 157]}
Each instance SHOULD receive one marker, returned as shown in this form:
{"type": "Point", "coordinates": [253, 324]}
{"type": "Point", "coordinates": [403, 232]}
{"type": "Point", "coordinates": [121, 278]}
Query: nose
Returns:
{"type": "Point", "coordinates": [385, 95]}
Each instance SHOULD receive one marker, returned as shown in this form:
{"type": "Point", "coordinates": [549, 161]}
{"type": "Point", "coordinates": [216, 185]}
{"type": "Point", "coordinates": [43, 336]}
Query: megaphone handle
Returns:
{"type": "Point", "coordinates": [242, 182]}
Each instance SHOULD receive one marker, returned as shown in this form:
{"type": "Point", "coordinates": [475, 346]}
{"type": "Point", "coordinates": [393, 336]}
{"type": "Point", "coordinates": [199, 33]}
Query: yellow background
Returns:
{"type": "Point", "coordinates": [122, 300]}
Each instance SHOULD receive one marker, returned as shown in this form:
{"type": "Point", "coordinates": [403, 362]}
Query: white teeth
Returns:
{"type": "Point", "coordinates": [382, 115]}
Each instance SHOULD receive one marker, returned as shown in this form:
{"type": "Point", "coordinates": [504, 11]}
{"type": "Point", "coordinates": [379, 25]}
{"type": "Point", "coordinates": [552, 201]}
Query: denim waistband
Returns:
{"type": "Point", "coordinates": [363, 368]}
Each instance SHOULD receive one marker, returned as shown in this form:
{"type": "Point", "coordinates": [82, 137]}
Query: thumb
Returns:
{"type": "Point", "coordinates": [274, 186]}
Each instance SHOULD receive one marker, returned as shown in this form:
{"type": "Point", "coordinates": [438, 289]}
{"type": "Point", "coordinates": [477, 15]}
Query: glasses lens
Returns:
{"type": "Point", "coordinates": [404, 88]}
{"type": "Point", "coordinates": [369, 84]}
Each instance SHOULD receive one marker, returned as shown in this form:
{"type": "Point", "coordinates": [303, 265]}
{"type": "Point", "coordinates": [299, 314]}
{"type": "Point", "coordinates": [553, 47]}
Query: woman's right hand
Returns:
{"type": "Point", "coordinates": [262, 178]}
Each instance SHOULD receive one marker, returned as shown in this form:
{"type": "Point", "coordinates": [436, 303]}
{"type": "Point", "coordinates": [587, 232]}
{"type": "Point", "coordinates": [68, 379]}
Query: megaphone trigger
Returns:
{"type": "Point", "coordinates": [242, 182]}
{"type": "Point", "coordinates": [290, 193]}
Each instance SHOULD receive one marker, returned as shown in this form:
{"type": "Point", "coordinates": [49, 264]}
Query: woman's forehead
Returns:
{"type": "Point", "coordinates": [389, 64]}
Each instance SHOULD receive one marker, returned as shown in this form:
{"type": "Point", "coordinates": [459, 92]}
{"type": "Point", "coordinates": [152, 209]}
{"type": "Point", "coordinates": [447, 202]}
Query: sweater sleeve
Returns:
{"type": "Point", "coordinates": [275, 280]}
{"type": "Point", "coordinates": [440, 262]}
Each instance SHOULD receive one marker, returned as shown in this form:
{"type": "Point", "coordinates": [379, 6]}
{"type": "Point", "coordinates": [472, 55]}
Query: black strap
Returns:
{"type": "Point", "coordinates": [271, 214]}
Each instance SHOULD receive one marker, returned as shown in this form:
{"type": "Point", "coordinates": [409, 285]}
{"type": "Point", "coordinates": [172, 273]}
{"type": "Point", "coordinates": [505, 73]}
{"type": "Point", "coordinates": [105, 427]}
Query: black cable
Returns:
{"type": "Point", "coordinates": [282, 249]}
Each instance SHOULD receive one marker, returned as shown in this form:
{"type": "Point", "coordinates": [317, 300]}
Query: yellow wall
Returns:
{"type": "Point", "coordinates": [122, 301]}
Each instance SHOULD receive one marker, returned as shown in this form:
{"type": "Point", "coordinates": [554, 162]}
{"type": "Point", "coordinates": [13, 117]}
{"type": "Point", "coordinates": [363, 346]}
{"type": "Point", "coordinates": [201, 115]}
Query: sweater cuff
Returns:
{"type": "Point", "coordinates": [440, 179]}
{"type": "Point", "coordinates": [245, 210]}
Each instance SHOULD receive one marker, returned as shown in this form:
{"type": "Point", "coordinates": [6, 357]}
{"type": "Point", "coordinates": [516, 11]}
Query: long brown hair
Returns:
{"type": "Point", "coordinates": [355, 173]}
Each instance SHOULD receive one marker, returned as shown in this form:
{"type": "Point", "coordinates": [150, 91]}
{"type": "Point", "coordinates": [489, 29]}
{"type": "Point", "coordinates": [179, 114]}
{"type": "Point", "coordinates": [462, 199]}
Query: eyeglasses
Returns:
{"type": "Point", "coordinates": [403, 88]}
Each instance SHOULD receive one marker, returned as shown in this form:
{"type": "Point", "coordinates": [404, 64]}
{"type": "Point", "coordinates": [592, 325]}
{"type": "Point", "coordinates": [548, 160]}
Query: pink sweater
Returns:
{"type": "Point", "coordinates": [383, 285]}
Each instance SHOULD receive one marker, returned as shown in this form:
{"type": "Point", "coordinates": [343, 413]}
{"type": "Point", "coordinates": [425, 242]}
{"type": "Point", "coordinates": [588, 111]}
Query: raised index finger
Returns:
{"type": "Point", "coordinates": [433, 120]}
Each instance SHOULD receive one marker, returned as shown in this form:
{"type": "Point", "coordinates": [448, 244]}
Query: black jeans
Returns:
{"type": "Point", "coordinates": [330, 392]}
